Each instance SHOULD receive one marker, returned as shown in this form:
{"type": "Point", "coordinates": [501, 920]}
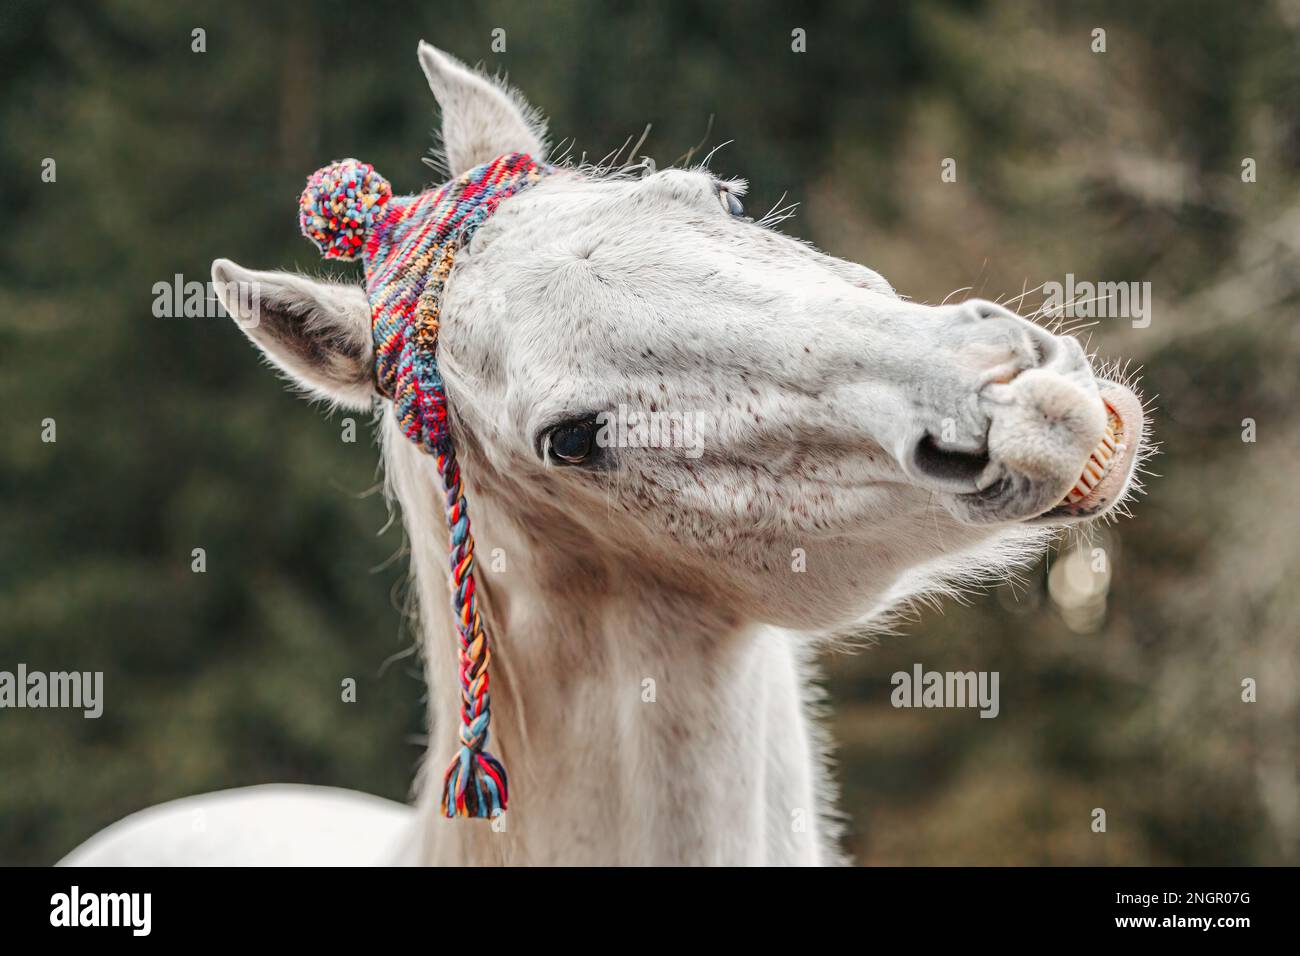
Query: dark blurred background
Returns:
{"type": "Point", "coordinates": [1120, 690]}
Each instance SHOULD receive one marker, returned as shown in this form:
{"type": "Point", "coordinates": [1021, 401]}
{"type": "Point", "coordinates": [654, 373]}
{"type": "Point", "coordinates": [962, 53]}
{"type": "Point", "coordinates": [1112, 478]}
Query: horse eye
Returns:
{"type": "Point", "coordinates": [572, 443]}
{"type": "Point", "coordinates": [730, 202]}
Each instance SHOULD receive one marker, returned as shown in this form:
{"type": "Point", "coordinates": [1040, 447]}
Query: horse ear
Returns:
{"type": "Point", "coordinates": [481, 117]}
{"type": "Point", "coordinates": [317, 333]}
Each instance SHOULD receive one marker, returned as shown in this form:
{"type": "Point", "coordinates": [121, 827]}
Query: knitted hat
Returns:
{"type": "Point", "coordinates": [409, 245]}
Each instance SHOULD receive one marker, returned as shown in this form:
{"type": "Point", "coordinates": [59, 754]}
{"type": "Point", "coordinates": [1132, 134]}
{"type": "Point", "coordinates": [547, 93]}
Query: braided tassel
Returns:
{"type": "Point", "coordinates": [475, 783]}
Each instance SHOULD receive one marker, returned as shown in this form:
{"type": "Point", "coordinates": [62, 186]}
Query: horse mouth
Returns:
{"type": "Point", "coordinates": [1105, 476]}
{"type": "Point", "coordinates": [1040, 469]}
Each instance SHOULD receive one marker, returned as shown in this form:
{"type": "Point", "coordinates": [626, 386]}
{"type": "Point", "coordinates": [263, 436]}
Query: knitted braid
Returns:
{"type": "Point", "coordinates": [475, 783]}
{"type": "Point", "coordinates": [409, 246]}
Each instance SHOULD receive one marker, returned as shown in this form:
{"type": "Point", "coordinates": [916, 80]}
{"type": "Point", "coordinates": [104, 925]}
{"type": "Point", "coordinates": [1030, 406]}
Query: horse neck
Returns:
{"type": "Point", "coordinates": [636, 726]}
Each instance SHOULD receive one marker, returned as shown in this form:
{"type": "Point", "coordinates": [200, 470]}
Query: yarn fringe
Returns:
{"type": "Point", "coordinates": [474, 786]}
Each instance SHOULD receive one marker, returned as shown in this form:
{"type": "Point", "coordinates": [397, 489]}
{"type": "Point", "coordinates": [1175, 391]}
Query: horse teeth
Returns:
{"type": "Point", "coordinates": [1097, 467]}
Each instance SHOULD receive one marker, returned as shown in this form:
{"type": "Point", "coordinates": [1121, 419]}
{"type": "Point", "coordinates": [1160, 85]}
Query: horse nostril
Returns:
{"type": "Point", "coordinates": [1034, 345]}
{"type": "Point", "coordinates": [1040, 353]}
{"type": "Point", "coordinates": [1042, 346]}
{"type": "Point", "coordinates": [948, 469]}
{"type": "Point", "coordinates": [984, 309]}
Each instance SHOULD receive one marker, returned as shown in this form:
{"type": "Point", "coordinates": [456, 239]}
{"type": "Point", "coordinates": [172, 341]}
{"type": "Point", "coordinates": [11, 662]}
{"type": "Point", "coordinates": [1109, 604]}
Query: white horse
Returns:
{"type": "Point", "coordinates": [658, 606]}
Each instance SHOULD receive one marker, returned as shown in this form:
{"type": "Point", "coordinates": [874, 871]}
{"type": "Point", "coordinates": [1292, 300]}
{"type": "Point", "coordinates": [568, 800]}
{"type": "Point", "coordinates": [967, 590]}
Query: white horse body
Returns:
{"type": "Point", "coordinates": [653, 612]}
{"type": "Point", "coordinates": [272, 825]}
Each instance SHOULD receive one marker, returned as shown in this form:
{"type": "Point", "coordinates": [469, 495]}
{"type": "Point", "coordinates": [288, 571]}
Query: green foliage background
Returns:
{"type": "Point", "coordinates": [1123, 165]}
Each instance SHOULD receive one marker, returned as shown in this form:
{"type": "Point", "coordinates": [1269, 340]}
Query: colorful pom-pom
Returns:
{"type": "Point", "coordinates": [341, 202]}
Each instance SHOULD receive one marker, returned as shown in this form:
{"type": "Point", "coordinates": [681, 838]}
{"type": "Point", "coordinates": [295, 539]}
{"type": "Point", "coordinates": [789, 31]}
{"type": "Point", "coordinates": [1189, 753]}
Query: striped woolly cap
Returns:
{"type": "Point", "coordinates": [408, 244]}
